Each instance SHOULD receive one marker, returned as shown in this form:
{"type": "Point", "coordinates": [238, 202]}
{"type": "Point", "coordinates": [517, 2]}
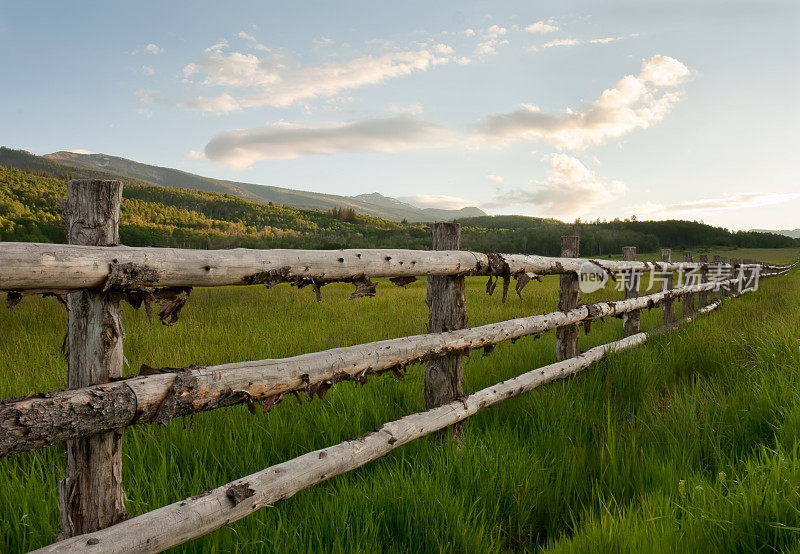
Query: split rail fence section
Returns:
{"type": "Point", "coordinates": [93, 273]}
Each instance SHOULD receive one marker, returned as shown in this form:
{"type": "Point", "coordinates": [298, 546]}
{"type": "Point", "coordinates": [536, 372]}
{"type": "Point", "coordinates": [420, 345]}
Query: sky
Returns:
{"type": "Point", "coordinates": [658, 109]}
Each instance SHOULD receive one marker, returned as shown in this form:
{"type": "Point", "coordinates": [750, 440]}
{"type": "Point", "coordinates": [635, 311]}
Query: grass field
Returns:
{"type": "Point", "coordinates": [690, 443]}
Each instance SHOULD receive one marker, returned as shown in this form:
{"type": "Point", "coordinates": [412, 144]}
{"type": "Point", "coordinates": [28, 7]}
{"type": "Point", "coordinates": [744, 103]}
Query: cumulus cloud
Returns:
{"type": "Point", "coordinates": [281, 83]}
{"type": "Point", "coordinates": [438, 201]}
{"type": "Point", "coordinates": [147, 70]}
{"type": "Point", "coordinates": [561, 42]}
{"type": "Point", "coordinates": [153, 49]}
{"type": "Point", "coordinates": [733, 201]}
{"type": "Point", "coordinates": [195, 155]}
{"type": "Point", "coordinates": [576, 42]}
{"type": "Point", "coordinates": [542, 27]}
{"type": "Point", "coordinates": [571, 189]}
{"type": "Point", "coordinates": [238, 149]}
{"type": "Point", "coordinates": [491, 39]}
{"type": "Point", "coordinates": [635, 102]}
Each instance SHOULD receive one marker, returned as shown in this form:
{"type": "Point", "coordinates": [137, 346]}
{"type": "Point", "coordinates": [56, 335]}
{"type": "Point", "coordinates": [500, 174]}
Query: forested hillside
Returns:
{"type": "Point", "coordinates": [166, 216]}
{"type": "Point", "coordinates": [66, 165]}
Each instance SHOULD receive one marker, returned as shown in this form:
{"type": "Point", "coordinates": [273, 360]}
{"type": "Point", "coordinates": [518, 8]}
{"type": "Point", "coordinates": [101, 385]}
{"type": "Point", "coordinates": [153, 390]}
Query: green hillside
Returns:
{"type": "Point", "coordinates": [70, 164]}
{"type": "Point", "coordinates": [154, 215]}
{"type": "Point", "coordinates": [168, 216]}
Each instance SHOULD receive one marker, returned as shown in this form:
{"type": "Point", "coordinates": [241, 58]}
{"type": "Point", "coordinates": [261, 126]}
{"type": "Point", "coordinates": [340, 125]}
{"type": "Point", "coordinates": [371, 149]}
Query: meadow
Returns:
{"type": "Point", "coordinates": [689, 443]}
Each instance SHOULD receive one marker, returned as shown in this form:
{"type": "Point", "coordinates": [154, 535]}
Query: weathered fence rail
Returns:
{"type": "Point", "coordinates": [36, 266]}
{"type": "Point", "coordinates": [92, 275]}
{"type": "Point", "coordinates": [32, 423]}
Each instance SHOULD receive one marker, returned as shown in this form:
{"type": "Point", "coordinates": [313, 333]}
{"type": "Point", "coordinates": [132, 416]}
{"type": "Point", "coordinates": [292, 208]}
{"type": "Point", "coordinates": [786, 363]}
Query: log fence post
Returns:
{"type": "Point", "coordinates": [91, 495]}
{"type": "Point", "coordinates": [668, 306]}
{"type": "Point", "coordinates": [447, 311]}
{"type": "Point", "coordinates": [567, 336]}
{"type": "Point", "coordinates": [688, 300]}
{"type": "Point", "coordinates": [631, 321]}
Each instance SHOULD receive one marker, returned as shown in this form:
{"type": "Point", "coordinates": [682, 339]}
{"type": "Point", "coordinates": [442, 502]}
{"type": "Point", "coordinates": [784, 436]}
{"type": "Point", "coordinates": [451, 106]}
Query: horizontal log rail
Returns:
{"type": "Point", "coordinates": [65, 267]}
{"type": "Point", "coordinates": [181, 521]}
{"type": "Point", "coordinates": [43, 420]}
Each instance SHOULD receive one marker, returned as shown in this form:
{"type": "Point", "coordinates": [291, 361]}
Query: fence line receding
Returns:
{"type": "Point", "coordinates": [92, 274]}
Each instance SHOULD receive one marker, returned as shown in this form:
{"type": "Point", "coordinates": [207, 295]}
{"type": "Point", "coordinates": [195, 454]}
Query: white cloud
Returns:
{"type": "Point", "coordinates": [408, 109]}
{"type": "Point", "coordinates": [240, 148]}
{"type": "Point", "coordinates": [469, 32]}
{"type": "Point", "coordinates": [246, 36]}
{"type": "Point", "coordinates": [571, 189]}
{"type": "Point", "coordinates": [635, 102]}
{"type": "Point", "coordinates": [733, 201]}
{"type": "Point", "coordinates": [491, 39]}
{"type": "Point", "coordinates": [147, 70]}
{"type": "Point", "coordinates": [282, 83]}
{"type": "Point", "coordinates": [561, 42]}
{"type": "Point", "coordinates": [576, 42]}
{"type": "Point", "coordinates": [195, 155]}
{"type": "Point", "coordinates": [81, 151]}
{"type": "Point", "coordinates": [542, 27]}
{"type": "Point", "coordinates": [153, 49]}
{"type": "Point", "coordinates": [495, 178]}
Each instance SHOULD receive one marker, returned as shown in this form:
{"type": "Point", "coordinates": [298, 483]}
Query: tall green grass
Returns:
{"type": "Point", "coordinates": [689, 443]}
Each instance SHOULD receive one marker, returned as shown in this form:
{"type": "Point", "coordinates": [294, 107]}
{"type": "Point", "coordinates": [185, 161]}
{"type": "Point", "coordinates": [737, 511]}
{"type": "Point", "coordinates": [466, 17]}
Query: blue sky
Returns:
{"type": "Point", "coordinates": [566, 109]}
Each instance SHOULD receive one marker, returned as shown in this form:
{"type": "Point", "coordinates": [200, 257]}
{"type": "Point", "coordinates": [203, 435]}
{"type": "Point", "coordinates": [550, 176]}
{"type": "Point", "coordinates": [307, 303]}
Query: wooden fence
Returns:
{"type": "Point", "coordinates": [92, 274]}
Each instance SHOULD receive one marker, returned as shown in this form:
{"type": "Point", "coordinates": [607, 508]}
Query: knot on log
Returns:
{"type": "Point", "coordinates": [238, 493]}
{"type": "Point", "coordinates": [269, 278]}
{"type": "Point", "coordinates": [498, 265]}
{"type": "Point", "coordinates": [180, 393]}
{"type": "Point", "coordinates": [129, 275]}
{"type": "Point", "coordinates": [133, 283]}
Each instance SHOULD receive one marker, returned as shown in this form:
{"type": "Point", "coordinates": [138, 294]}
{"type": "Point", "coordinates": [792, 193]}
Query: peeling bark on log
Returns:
{"type": "Point", "coordinates": [447, 311]}
{"type": "Point", "coordinates": [91, 495]}
{"type": "Point", "coordinates": [631, 320]}
{"type": "Point", "coordinates": [25, 266]}
{"type": "Point", "coordinates": [34, 422]}
{"type": "Point", "coordinates": [567, 336]}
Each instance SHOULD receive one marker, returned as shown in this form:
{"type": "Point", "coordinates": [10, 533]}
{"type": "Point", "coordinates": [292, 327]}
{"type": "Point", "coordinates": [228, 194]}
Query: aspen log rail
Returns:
{"type": "Point", "coordinates": [31, 423]}
{"type": "Point", "coordinates": [65, 267]}
{"type": "Point", "coordinates": [87, 417]}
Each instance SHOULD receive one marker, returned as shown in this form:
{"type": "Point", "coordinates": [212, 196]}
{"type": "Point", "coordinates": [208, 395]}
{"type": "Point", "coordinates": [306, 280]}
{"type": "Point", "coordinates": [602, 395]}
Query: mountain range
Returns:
{"type": "Point", "coordinates": [793, 233]}
{"type": "Point", "coordinates": [103, 166]}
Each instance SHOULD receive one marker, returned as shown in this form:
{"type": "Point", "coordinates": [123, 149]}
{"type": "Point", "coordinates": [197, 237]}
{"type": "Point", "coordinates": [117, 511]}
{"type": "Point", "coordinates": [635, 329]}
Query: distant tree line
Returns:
{"type": "Point", "coordinates": [167, 216]}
